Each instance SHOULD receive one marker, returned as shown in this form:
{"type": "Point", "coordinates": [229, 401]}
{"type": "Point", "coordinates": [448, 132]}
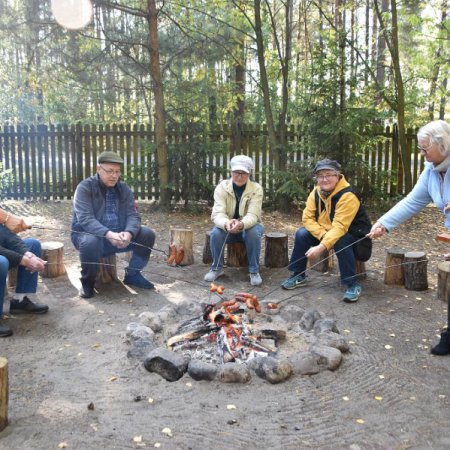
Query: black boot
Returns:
{"type": "Point", "coordinates": [443, 348]}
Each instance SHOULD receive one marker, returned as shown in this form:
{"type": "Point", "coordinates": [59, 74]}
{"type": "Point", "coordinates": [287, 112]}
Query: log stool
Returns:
{"type": "Point", "coordinates": [394, 272]}
{"type": "Point", "coordinates": [183, 237]}
{"type": "Point", "coordinates": [207, 255]}
{"type": "Point", "coordinates": [416, 271]}
{"type": "Point", "coordinates": [53, 253]}
{"type": "Point", "coordinates": [361, 270]}
{"type": "Point", "coordinates": [237, 255]}
{"type": "Point", "coordinates": [276, 250]}
{"type": "Point", "coordinates": [443, 288]}
{"type": "Point", "coordinates": [326, 261]}
{"type": "Point", "coordinates": [4, 390]}
{"type": "Point", "coordinates": [107, 270]}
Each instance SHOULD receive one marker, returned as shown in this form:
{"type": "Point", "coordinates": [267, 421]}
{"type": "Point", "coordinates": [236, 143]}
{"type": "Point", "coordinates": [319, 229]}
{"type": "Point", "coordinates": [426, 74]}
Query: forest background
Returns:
{"type": "Point", "coordinates": [337, 72]}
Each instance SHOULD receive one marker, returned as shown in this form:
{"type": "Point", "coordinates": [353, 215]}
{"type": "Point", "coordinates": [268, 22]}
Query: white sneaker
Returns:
{"type": "Point", "coordinates": [255, 279]}
{"type": "Point", "coordinates": [212, 275]}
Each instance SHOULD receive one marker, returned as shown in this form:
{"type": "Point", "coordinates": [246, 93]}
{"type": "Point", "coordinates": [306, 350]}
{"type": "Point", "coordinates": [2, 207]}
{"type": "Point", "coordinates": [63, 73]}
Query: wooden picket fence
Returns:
{"type": "Point", "coordinates": [48, 161]}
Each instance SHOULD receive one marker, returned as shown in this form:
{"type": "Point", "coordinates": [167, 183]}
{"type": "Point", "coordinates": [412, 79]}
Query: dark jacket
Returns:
{"type": "Point", "coordinates": [11, 246]}
{"type": "Point", "coordinates": [89, 207]}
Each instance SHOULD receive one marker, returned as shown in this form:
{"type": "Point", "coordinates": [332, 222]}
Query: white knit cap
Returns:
{"type": "Point", "coordinates": [241, 162]}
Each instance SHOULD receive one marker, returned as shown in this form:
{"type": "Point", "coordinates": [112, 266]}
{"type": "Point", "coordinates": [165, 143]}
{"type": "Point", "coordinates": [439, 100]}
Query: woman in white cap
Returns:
{"type": "Point", "coordinates": [433, 186]}
{"type": "Point", "coordinates": [237, 218]}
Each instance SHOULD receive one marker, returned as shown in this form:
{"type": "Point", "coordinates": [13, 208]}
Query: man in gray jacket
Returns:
{"type": "Point", "coordinates": [106, 221]}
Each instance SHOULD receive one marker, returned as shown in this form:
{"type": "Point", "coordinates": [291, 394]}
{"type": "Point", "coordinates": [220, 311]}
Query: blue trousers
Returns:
{"type": "Point", "coordinates": [92, 248]}
{"type": "Point", "coordinates": [304, 240]}
{"type": "Point", "coordinates": [26, 281]}
{"type": "Point", "coordinates": [251, 238]}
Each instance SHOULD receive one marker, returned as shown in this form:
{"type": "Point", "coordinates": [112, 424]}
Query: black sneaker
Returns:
{"type": "Point", "coordinates": [86, 291]}
{"type": "Point", "coordinates": [26, 306]}
{"type": "Point", "coordinates": [5, 331]}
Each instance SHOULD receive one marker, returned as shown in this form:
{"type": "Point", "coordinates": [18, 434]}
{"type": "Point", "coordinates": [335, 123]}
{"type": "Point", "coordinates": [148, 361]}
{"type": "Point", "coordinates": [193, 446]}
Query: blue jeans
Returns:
{"type": "Point", "coordinates": [304, 240]}
{"type": "Point", "coordinates": [251, 238]}
{"type": "Point", "coordinates": [92, 248]}
{"type": "Point", "coordinates": [26, 281]}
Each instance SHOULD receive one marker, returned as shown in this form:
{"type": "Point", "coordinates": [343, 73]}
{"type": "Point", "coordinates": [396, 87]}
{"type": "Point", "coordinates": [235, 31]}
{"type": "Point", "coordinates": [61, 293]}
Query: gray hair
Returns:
{"type": "Point", "coordinates": [437, 132]}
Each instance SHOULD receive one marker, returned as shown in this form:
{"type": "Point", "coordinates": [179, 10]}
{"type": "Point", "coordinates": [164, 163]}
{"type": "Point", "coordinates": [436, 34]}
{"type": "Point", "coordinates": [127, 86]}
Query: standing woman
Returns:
{"type": "Point", "coordinates": [433, 185]}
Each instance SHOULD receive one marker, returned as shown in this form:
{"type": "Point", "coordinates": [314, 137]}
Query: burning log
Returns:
{"type": "Point", "coordinates": [191, 335]}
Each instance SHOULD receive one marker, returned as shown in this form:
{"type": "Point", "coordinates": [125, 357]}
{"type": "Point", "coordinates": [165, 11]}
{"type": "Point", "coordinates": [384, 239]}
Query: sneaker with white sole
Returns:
{"type": "Point", "coordinates": [255, 279]}
{"type": "Point", "coordinates": [295, 281]}
{"type": "Point", "coordinates": [212, 275]}
{"type": "Point", "coordinates": [352, 293]}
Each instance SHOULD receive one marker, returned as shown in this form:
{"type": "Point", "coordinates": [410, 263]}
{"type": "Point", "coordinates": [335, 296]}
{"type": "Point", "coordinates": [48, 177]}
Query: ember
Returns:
{"type": "Point", "coordinates": [224, 330]}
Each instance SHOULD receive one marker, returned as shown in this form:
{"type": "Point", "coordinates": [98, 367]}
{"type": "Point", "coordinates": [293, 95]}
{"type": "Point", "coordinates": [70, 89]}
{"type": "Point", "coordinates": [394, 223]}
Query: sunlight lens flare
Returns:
{"type": "Point", "coordinates": [72, 14]}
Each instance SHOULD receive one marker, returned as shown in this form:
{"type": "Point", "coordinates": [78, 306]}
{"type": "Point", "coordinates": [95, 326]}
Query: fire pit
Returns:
{"type": "Point", "coordinates": [232, 338]}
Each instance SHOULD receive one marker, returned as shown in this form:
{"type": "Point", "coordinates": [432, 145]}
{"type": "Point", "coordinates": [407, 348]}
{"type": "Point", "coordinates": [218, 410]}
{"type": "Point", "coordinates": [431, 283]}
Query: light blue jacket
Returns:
{"type": "Point", "coordinates": [429, 188]}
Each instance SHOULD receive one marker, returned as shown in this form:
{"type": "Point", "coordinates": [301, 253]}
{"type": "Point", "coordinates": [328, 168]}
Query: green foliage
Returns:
{"type": "Point", "coordinates": [6, 180]}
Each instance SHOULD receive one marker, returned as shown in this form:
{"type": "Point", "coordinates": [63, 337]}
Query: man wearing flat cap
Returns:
{"type": "Point", "coordinates": [237, 218]}
{"type": "Point", "coordinates": [333, 217]}
{"type": "Point", "coordinates": [106, 221]}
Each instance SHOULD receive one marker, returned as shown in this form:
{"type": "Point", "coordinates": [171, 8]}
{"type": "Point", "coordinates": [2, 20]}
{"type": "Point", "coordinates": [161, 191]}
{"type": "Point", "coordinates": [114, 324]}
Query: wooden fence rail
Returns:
{"type": "Point", "coordinates": [48, 161]}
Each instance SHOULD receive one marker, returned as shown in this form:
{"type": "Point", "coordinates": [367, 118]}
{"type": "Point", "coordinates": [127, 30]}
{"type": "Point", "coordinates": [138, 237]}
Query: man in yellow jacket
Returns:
{"type": "Point", "coordinates": [332, 215]}
{"type": "Point", "coordinates": [237, 218]}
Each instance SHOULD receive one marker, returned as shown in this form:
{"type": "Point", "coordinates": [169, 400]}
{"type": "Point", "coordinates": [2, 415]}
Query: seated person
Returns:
{"type": "Point", "coordinates": [236, 215]}
{"type": "Point", "coordinates": [106, 221]}
{"type": "Point", "coordinates": [26, 254]}
{"type": "Point", "coordinates": [333, 217]}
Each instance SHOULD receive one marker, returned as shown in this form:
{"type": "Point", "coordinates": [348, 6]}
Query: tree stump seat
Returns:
{"type": "Point", "coordinates": [394, 271]}
{"type": "Point", "coordinates": [237, 255]}
{"type": "Point", "coordinates": [276, 250]}
{"type": "Point", "coordinates": [416, 271]}
{"type": "Point", "coordinates": [53, 253]}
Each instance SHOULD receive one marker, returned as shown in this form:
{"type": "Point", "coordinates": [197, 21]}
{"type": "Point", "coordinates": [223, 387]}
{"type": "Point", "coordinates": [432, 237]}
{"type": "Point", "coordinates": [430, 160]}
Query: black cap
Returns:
{"type": "Point", "coordinates": [327, 164]}
{"type": "Point", "coordinates": [109, 157]}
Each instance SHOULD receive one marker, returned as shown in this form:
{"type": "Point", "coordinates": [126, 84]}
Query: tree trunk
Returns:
{"type": "Point", "coordinates": [160, 119]}
{"type": "Point", "coordinates": [265, 85]}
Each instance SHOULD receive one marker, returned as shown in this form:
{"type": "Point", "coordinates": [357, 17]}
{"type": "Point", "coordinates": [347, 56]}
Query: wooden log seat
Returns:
{"type": "Point", "coordinates": [53, 253]}
{"type": "Point", "coordinates": [4, 392]}
{"type": "Point", "coordinates": [183, 239]}
{"type": "Point", "coordinates": [416, 271]}
{"type": "Point", "coordinates": [276, 250]}
{"type": "Point", "coordinates": [107, 270]}
{"type": "Point", "coordinates": [207, 255]}
{"type": "Point", "coordinates": [322, 263]}
{"type": "Point", "coordinates": [443, 288]}
{"type": "Point", "coordinates": [394, 271]}
{"type": "Point", "coordinates": [237, 255]}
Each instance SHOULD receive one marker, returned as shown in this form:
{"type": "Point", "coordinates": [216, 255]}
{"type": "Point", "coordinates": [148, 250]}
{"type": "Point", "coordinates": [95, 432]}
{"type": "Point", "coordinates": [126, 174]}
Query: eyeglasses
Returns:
{"type": "Point", "coordinates": [423, 149]}
{"type": "Point", "coordinates": [325, 177]}
{"type": "Point", "coordinates": [239, 173]}
{"type": "Point", "coordinates": [110, 172]}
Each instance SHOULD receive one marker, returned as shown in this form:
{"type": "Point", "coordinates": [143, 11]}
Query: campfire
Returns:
{"type": "Point", "coordinates": [225, 329]}
{"type": "Point", "coordinates": [234, 335]}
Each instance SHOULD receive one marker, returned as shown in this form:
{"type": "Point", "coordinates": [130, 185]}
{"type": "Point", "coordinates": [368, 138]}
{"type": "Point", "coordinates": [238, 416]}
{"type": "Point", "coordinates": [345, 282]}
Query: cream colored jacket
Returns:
{"type": "Point", "coordinates": [250, 206]}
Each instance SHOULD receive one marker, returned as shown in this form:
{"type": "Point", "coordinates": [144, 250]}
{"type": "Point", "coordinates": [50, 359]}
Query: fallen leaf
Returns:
{"type": "Point", "coordinates": [67, 345]}
{"type": "Point", "coordinates": [96, 345]}
{"type": "Point", "coordinates": [351, 342]}
{"type": "Point", "coordinates": [112, 379]}
{"type": "Point", "coordinates": [157, 444]}
{"type": "Point", "coordinates": [137, 439]}
{"type": "Point", "coordinates": [359, 420]}
{"type": "Point", "coordinates": [378, 397]}
{"type": "Point", "coordinates": [62, 445]}
{"type": "Point", "coordinates": [412, 398]}
{"type": "Point", "coordinates": [392, 335]}
{"type": "Point", "coordinates": [231, 406]}
{"type": "Point", "coordinates": [442, 396]}
{"type": "Point", "coordinates": [167, 432]}
{"type": "Point", "coordinates": [388, 347]}
{"type": "Point", "coordinates": [91, 406]}
{"type": "Point", "coordinates": [189, 384]}
{"type": "Point", "coordinates": [381, 377]}
{"type": "Point", "coordinates": [345, 398]}
{"type": "Point", "coordinates": [151, 400]}
{"type": "Point", "coordinates": [346, 331]}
